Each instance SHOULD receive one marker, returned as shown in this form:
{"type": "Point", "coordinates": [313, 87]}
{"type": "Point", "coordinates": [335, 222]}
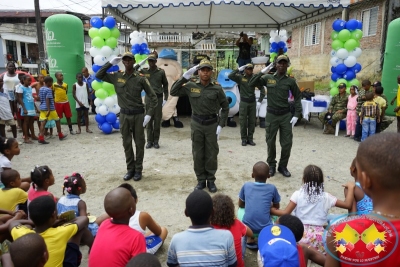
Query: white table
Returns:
{"type": "Point", "coordinates": [308, 108]}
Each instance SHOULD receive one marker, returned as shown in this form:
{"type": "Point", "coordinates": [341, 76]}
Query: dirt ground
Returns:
{"type": "Point", "coordinates": [168, 175]}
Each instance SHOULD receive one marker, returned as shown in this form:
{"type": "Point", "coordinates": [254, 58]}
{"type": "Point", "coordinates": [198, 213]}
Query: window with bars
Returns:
{"type": "Point", "coordinates": [312, 34]}
{"type": "Point", "coordinates": [370, 21]}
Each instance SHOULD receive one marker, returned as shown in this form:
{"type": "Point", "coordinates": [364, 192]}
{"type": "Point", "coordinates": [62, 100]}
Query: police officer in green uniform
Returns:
{"type": "Point", "coordinates": [247, 107]}
{"type": "Point", "coordinates": [206, 99]}
{"type": "Point", "coordinates": [279, 116]}
{"type": "Point", "coordinates": [159, 83]}
{"type": "Point", "coordinates": [128, 86]}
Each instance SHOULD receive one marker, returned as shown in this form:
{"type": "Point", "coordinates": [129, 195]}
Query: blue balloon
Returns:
{"type": "Point", "coordinates": [143, 46]}
{"type": "Point", "coordinates": [109, 22]}
{"type": "Point", "coordinates": [271, 50]}
{"type": "Point", "coordinates": [341, 69]}
{"type": "Point", "coordinates": [281, 44]}
{"type": "Point", "coordinates": [338, 25]}
{"type": "Point", "coordinates": [333, 69]}
{"type": "Point", "coordinates": [134, 51]}
{"type": "Point", "coordinates": [274, 45]}
{"type": "Point", "coordinates": [100, 119]}
{"type": "Point", "coordinates": [136, 47]}
{"type": "Point", "coordinates": [352, 25]}
{"type": "Point", "coordinates": [96, 22]}
{"type": "Point", "coordinates": [97, 79]}
{"type": "Point", "coordinates": [111, 118]}
{"type": "Point", "coordinates": [335, 77]}
{"type": "Point", "coordinates": [146, 51]}
{"type": "Point", "coordinates": [349, 75]}
{"type": "Point", "coordinates": [96, 68]}
{"type": "Point", "coordinates": [106, 128]}
{"type": "Point", "coordinates": [356, 68]}
{"type": "Point", "coordinates": [359, 26]}
{"type": "Point", "coordinates": [285, 49]}
{"type": "Point", "coordinates": [99, 126]}
{"type": "Point", "coordinates": [116, 68]}
{"type": "Point", "coordinates": [116, 124]}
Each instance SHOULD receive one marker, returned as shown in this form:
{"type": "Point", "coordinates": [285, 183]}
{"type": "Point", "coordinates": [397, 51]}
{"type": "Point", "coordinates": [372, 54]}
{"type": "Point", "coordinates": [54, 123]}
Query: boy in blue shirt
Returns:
{"type": "Point", "coordinates": [256, 199]}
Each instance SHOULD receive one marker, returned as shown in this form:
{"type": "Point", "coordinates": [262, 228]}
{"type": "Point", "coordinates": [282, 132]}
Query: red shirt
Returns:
{"type": "Point", "coordinates": [367, 240]}
{"type": "Point", "coordinates": [238, 230]}
{"type": "Point", "coordinates": [302, 260]}
{"type": "Point", "coordinates": [115, 245]}
{"type": "Point", "coordinates": [32, 194]}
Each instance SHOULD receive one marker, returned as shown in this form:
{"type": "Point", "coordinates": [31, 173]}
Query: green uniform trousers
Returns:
{"type": "Point", "coordinates": [205, 150]}
{"type": "Point", "coordinates": [154, 125]}
{"type": "Point", "coordinates": [335, 118]}
{"type": "Point", "coordinates": [273, 123]}
{"type": "Point", "coordinates": [132, 127]}
{"type": "Point", "coordinates": [247, 119]}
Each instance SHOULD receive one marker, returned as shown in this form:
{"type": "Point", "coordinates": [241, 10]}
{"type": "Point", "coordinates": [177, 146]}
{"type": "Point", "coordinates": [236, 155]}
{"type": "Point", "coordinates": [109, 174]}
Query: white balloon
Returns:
{"type": "Point", "coordinates": [135, 40]}
{"type": "Point", "coordinates": [94, 51]}
{"type": "Point", "coordinates": [333, 53]}
{"type": "Point", "coordinates": [109, 102]}
{"type": "Point", "coordinates": [282, 33]}
{"type": "Point", "coordinates": [284, 38]}
{"type": "Point", "coordinates": [271, 40]}
{"type": "Point", "coordinates": [106, 51]}
{"type": "Point", "coordinates": [277, 39]}
{"type": "Point", "coordinates": [115, 51]}
{"type": "Point", "coordinates": [273, 33]}
{"type": "Point", "coordinates": [335, 61]}
{"type": "Point", "coordinates": [342, 53]}
{"type": "Point", "coordinates": [115, 109]}
{"type": "Point", "coordinates": [356, 52]}
{"type": "Point", "coordinates": [115, 98]}
{"type": "Point", "coordinates": [98, 102]}
{"type": "Point", "coordinates": [142, 35]}
{"type": "Point", "coordinates": [100, 60]}
{"type": "Point", "coordinates": [103, 110]}
{"type": "Point", "coordinates": [135, 34]}
{"type": "Point", "coordinates": [97, 109]}
{"type": "Point", "coordinates": [350, 61]}
{"type": "Point", "coordinates": [111, 57]}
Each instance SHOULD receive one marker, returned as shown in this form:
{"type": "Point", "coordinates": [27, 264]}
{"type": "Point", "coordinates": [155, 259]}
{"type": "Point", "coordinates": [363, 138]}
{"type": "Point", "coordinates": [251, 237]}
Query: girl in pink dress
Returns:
{"type": "Point", "coordinates": [351, 112]}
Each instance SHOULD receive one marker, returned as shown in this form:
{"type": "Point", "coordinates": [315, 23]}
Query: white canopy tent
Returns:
{"type": "Point", "coordinates": [217, 15]}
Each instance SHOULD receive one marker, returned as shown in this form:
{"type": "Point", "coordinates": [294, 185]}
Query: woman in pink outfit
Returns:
{"type": "Point", "coordinates": [351, 112]}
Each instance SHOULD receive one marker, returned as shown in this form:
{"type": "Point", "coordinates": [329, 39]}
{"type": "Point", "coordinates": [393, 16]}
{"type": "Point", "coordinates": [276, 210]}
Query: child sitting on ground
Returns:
{"type": "Point", "coordinates": [7, 117]}
{"type": "Point", "coordinates": [75, 185]}
{"type": "Point", "coordinates": [370, 116]}
{"type": "Point", "coordinates": [201, 244]}
{"type": "Point", "coordinates": [9, 148]}
{"type": "Point", "coordinates": [362, 203]}
{"type": "Point", "coordinates": [378, 170]}
{"type": "Point", "coordinates": [142, 220]}
{"type": "Point", "coordinates": [63, 241]}
{"type": "Point", "coordinates": [116, 243]}
{"type": "Point", "coordinates": [11, 195]}
{"type": "Point", "coordinates": [6, 217]}
{"type": "Point", "coordinates": [224, 218]}
{"type": "Point", "coordinates": [42, 178]}
{"type": "Point", "coordinates": [311, 205]}
{"type": "Point", "coordinates": [257, 198]}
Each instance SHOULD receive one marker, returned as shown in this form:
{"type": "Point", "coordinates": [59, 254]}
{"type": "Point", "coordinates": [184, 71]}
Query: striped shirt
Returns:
{"type": "Point", "coordinates": [370, 109]}
{"type": "Point", "coordinates": [360, 101]}
{"type": "Point", "coordinates": [45, 93]}
{"type": "Point", "coordinates": [202, 247]}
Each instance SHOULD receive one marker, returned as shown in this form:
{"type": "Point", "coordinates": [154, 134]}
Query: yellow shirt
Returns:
{"type": "Point", "coordinates": [10, 198]}
{"type": "Point", "coordinates": [55, 238]}
{"type": "Point", "coordinates": [60, 93]}
{"type": "Point", "coordinates": [381, 103]}
{"type": "Point", "coordinates": [398, 100]}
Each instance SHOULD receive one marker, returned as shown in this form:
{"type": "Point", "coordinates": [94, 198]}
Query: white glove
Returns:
{"type": "Point", "coordinates": [242, 68]}
{"type": "Point", "coordinates": [190, 72]}
{"type": "Point", "coordinates": [141, 63]}
{"type": "Point", "coordinates": [268, 68]}
{"type": "Point", "coordinates": [163, 103]}
{"type": "Point", "coordinates": [146, 120]}
{"type": "Point", "coordinates": [258, 105]}
{"type": "Point", "coordinates": [293, 121]}
{"type": "Point", "coordinates": [116, 60]}
{"type": "Point", "coordinates": [219, 128]}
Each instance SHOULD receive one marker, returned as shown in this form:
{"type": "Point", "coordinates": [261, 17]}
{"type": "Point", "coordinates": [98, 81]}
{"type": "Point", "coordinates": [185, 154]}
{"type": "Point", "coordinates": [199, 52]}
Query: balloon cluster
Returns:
{"type": "Point", "coordinates": [346, 49]}
{"type": "Point", "coordinates": [139, 45]}
{"type": "Point", "coordinates": [104, 36]}
{"type": "Point", "coordinates": [277, 42]}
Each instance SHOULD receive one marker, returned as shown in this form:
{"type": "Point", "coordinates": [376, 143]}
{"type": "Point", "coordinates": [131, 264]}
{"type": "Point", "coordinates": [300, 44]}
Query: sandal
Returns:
{"type": "Point", "coordinates": [28, 142]}
{"type": "Point", "coordinates": [89, 131]}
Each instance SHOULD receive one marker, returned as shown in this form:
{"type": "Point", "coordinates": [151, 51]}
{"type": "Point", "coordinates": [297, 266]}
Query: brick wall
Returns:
{"type": "Point", "coordinates": [312, 62]}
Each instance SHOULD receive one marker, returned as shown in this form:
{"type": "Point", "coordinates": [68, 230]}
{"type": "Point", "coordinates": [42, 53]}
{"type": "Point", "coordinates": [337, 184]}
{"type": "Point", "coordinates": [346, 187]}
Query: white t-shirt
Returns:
{"type": "Point", "coordinates": [312, 213]}
{"type": "Point", "coordinates": [4, 163]}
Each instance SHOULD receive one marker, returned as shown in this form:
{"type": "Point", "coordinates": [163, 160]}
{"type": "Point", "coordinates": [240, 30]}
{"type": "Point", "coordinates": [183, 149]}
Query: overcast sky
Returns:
{"type": "Point", "coordinates": [80, 6]}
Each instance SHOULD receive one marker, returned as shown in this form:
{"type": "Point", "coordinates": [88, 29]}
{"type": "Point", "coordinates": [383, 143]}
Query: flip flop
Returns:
{"type": "Point", "coordinates": [89, 131]}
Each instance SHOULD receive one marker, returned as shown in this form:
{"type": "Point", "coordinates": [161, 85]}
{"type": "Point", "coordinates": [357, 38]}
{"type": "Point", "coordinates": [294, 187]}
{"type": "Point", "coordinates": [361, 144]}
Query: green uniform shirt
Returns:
{"type": "Point", "coordinates": [129, 88]}
{"type": "Point", "coordinates": [278, 88]}
{"type": "Point", "coordinates": [158, 80]}
{"type": "Point", "coordinates": [246, 90]}
{"type": "Point", "coordinates": [339, 103]}
{"type": "Point", "coordinates": [204, 100]}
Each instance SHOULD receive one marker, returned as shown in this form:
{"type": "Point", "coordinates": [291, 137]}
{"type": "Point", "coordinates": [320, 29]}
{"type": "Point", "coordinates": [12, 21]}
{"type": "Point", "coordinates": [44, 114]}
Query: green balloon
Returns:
{"type": "Point", "coordinates": [337, 44]}
{"type": "Point", "coordinates": [111, 92]}
{"type": "Point", "coordinates": [334, 91]}
{"type": "Point", "coordinates": [137, 58]}
{"type": "Point", "coordinates": [111, 42]}
{"type": "Point", "coordinates": [93, 32]}
{"type": "Point", "coordinates": [97, 42]}
{"type": "Point", "coordinates": [104, 32]}
{"type": "Point", "coordinates": [108, 86]}
{"type": "Point", "coordinates": [344, 35]}
{"type": "Point", "coordinates": [348, 90]}
{"type": "Point", "coordinates": [274, 54]}
{"type": "Point", "coordinates": [354, 82]}
{"type": "Point", "coordinates": [332, 84]}
{"type": "Point", "coordinates": [115, 33]}
{"type": "Point", "coordinates": [357, 34]}
{"type": "Point", "coordinates": [339, 81]}
{"type": "Point", "coordinates": [101, 93]}
{"type": "Point", "coordinates": [350, 44]}
{"type": "Point", "coordinates": [96, 85]}
{"type": "Point", "coordinates": [334, 35]}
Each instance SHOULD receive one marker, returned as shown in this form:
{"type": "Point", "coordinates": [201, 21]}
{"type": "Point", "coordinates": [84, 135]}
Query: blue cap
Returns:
{"type": "Point", "coordinates": [277, 247]}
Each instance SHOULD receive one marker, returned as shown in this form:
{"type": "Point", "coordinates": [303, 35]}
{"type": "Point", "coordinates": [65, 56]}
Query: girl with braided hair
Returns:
{"type": "Point", "coordinates": [311, 205]}
{"type": "Point", "coordinates": [42, 178]}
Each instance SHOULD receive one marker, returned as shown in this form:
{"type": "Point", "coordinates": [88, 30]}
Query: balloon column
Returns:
{"type": "Point", "coordinates": [139, 46]}
{"type": "Point", "coordinates": [277, 42]}
{"type": "Point", "coordinates": [104, 36]}
{"type": "Point", "coordinates": [346, 49]}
